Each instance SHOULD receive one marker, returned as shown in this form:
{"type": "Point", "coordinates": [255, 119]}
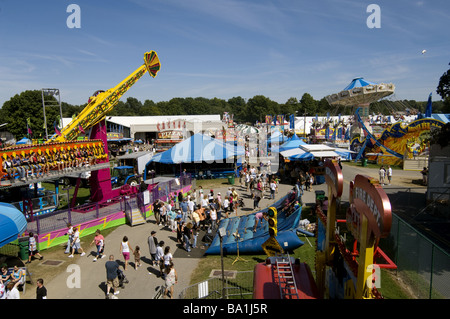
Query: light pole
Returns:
{"type": "Point", "coordinates": [50, 92]}
{"type": "Point", "coordinates": [222, 233]}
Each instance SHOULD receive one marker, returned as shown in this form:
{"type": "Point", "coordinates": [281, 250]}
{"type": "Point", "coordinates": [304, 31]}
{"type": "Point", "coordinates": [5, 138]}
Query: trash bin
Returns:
{"type": "Point", "coordinates": [23, 248]}
{"type": "Point", "coordinates": [364, 162]}
{"type": "Point", "coordinates": [320, 195]}
{"type": "Point", "coordinates": [231, 179]}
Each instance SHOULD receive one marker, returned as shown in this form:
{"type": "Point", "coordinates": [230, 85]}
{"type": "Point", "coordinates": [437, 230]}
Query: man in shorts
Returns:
{"type": "Point", "coordinates": [112, 280]}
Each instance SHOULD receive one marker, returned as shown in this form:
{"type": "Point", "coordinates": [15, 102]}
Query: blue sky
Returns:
{"type": "Point", "coordinates": [223, 48]}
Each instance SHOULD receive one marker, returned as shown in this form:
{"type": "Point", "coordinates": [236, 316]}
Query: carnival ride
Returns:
{"type": "Point", "coordinates": [63, 153]}
{"type": "Point", "coordinates": [240, 235]}
{"type": "Point", "coordinates": [352, 272]}
{"type": "Point", "coordinates": [379, 138]}
{"type": "Point", "coordinates": [397, 142]}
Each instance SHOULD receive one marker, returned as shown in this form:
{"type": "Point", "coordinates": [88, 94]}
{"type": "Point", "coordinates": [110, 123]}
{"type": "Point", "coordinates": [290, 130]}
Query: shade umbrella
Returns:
{"type": "Point", "coordinates": [244, 129]}
{"type": "Point", "coordinates": [12, 223]}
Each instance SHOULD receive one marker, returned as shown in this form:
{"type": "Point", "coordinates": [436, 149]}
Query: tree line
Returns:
{"type": "Point", "coordinates": [28, 104]}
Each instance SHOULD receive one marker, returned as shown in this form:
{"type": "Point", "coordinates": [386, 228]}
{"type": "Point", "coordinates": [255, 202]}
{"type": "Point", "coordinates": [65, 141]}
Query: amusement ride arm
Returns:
{"type": "Point", "coordinates": [104, 101]}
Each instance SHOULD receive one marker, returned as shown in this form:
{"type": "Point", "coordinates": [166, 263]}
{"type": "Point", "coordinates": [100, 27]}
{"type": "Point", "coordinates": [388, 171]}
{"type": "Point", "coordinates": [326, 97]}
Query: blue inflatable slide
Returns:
{"type": "Point", "coordinates": [250, 242]}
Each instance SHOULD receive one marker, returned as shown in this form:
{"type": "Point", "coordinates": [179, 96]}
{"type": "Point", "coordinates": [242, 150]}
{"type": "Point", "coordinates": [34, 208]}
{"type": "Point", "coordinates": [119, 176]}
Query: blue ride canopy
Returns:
{"type": "Point", "coordinates": [358, 83]}
{"type": "Point", "coordinates": [12, 223]}
{"type": "Point", "coordinates": [250, 242]}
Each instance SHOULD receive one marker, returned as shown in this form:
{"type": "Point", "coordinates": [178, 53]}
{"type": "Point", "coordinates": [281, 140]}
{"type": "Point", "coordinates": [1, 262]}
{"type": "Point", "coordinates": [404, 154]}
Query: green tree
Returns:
{"type": "Point", "coordinates": [150, 108]}
{"type": "Point", "coordinates": [28, 104]}
{"type": "Point", "coordinates": [258, 107]}
{"type": "Point", "coordinates": [237, 107]}
{"type": "Point", "coordinates": [443, 89]}
{"type": "Point", "coordinates": [307, 105]}
{"type": "Point", "coordinates": [290, 107]}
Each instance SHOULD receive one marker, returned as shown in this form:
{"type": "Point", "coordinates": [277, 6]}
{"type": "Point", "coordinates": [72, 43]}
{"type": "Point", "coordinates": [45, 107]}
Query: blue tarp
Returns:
{"type": "Point", "coordinates": [196, 149]}
{"type": "Point", "coordinates": [24, 141]}
{"type": "Point", "coordinates": [357, 83]}
{"type": "Point", "coordinates": [293, 142]}
{"type": "Point", "coordinates": [12, 223]}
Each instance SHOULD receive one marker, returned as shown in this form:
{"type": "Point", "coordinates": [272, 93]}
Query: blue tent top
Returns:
{"type": "Point", "coordinates": [12, 223]}
{"type": "Point", "coordinates": [196, 149]}
{"type": "Point", "coordinates": [293, 142]}
{"type": "Point", "coordinates": [357, 83]}
{"type": "Point", "coordinates": [23, 141]}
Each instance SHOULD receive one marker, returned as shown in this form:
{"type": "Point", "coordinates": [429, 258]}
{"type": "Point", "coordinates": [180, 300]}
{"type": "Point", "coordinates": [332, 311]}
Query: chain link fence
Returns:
{"type": "Point", "coordinates": [421, 264]}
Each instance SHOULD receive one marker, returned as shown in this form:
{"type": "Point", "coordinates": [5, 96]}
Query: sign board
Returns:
{"type": "Point", "coordinates": [271, 247]}
{"type": "Point", "coordinates": [367, 198]}
{"type": "Point", "coordinates": [170, 135]}
{"type": "Point", "coordinates": [334, 177]}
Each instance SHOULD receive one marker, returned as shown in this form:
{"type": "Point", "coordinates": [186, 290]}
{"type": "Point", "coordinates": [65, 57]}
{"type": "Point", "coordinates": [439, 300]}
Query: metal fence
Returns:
{"type": "Point", "coordinates": [421, 264]}
{"type": "Point", "coordinates": [239, 286]}
{"type": "Point", "coordinates": [84, 213]}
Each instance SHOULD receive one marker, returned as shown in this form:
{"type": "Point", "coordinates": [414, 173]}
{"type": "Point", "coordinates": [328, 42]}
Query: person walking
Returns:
{"type": "Point", "coordinates": [187, 231]}
{"type": "Point", "coordinates": [382, 174]}
{"type": "Point", "coordinates": [160, 257]}
{"type": "Point", "coordinates": [125, 249]}
{"type": "Point", "coordinates": [99, 241]}
{"type": "Point", "coordinates": [389, 174]}
{"type": "Point", "coordinates": [137, 257]}
{"type": "Point", "coordinates": [424, 173]}
{"type": "Point", "coordinates": [32, 248]}
{"type": "Point", "coordinates": [170, 281]}
{"type": "Point", "coordinates": [112, 280]}
{"type": "Point", "coordinates": [76, 243]}
{"type": "Point", "coordinates": [152, 245]}
{"type": "Point", "coordinates": [41, 291]}
{"type": "Point", "coordinates": [167, 258]}
{"type": "Point", "coordinates": [69, 239]}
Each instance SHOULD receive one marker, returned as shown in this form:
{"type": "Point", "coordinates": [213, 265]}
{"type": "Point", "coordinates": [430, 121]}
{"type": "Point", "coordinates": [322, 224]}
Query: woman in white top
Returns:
{"type": "Point", "coordinates": [205, 201]}
{"type": "Point", "coordinates": [167, 258]}
{"type": "Point", "coordinates": [226, 204]}
{"type": "Point", "coordinates": [12, 292]}
{"type": "Point", "coordinates": [125, 249]}
{"type": "Point", "coordinates": [171, 279]}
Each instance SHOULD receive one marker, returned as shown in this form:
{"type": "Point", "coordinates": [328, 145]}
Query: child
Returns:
{"type": "Point", "coordinates": [195, 235]}
{"type": "Point", "coordinates": [32, 248]}
{"type": "Point", "coordinates": [137, 257]}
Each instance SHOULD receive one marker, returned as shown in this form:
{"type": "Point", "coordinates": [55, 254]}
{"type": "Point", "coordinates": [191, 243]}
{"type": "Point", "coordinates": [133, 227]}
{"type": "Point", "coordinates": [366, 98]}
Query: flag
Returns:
{"type": "Point", "coordinates": [80, 128]}
{"type": "Point", "coordinates": [292, 121]}
{"type": "Point", "coordinates": [428, 109]}
{"type": "Point", "coordinates": [29, 131]}
{"type": "Point", "coordinates": [57, 130]}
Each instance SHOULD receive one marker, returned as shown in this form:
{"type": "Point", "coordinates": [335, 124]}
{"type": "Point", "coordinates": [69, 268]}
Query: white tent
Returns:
{"type": "Point", "coordinates": [307, 151]}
